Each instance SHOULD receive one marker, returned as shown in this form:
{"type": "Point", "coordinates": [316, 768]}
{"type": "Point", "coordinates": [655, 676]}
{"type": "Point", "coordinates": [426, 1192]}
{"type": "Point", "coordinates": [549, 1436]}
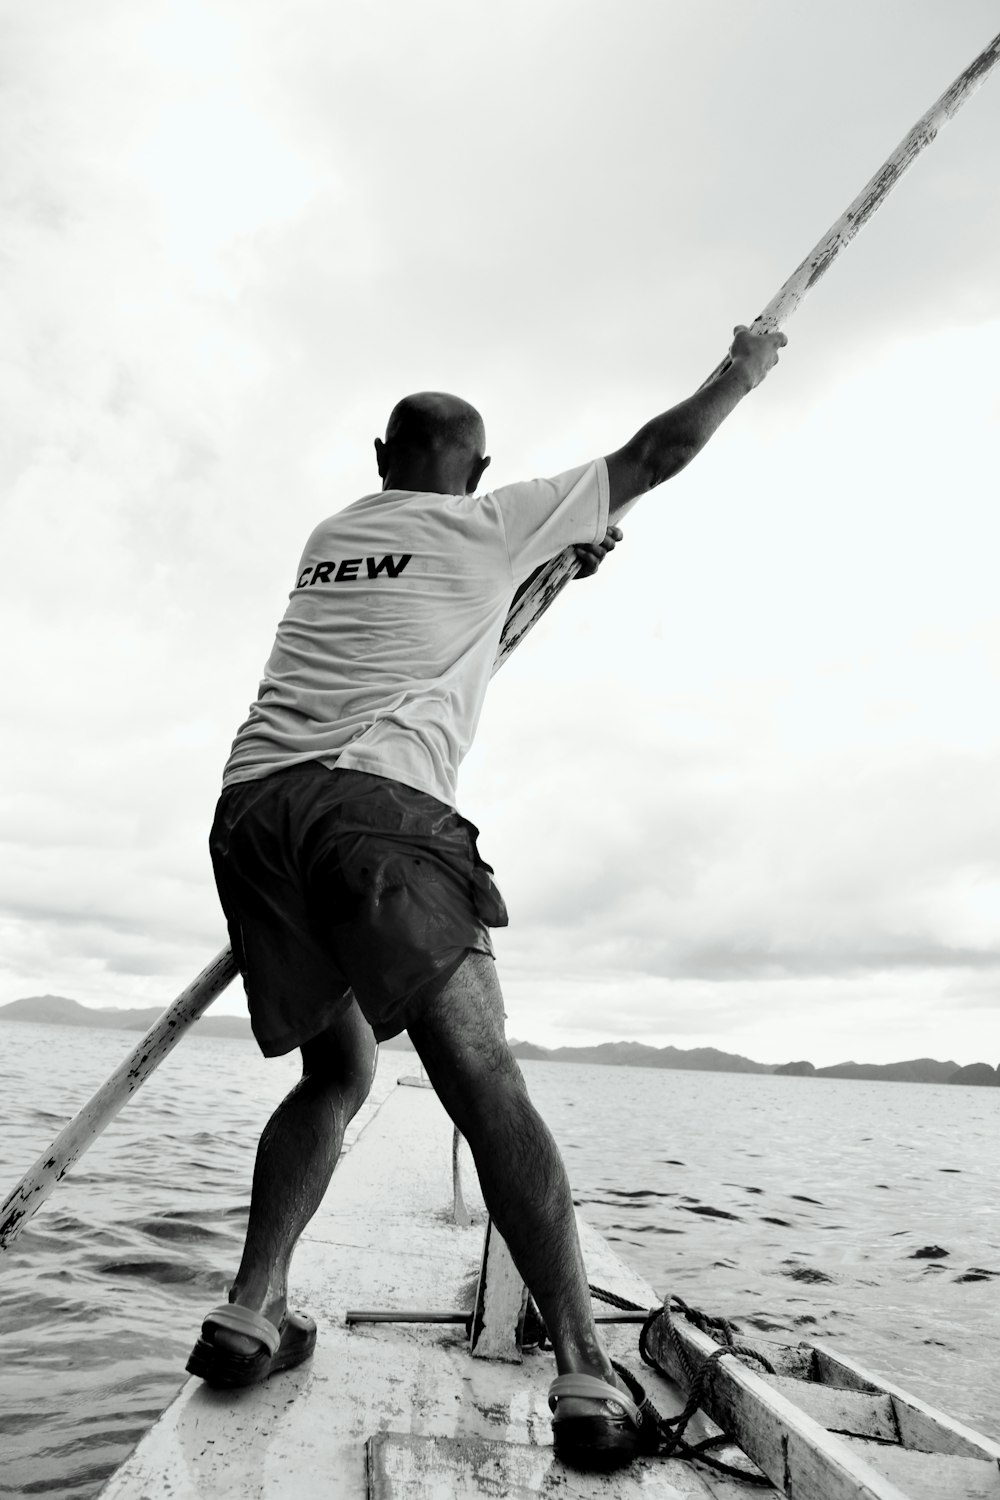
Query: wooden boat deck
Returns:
{"type": "Point", "coordinates": [384, 1238]}
{"type": "Point", "coordinates": [402, 1411]}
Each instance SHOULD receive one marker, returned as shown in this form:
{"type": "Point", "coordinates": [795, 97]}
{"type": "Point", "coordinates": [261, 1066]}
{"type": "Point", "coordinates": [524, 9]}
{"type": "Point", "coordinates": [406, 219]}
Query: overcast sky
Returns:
{"type": "Point", "coordinates": [741, 789]}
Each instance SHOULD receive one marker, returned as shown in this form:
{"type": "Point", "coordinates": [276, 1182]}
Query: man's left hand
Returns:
{"type": "Point", "coordinates": [592, 554]}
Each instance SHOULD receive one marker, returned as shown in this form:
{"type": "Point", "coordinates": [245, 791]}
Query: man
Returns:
{"type": "Point", "coordinates": [356, 899]}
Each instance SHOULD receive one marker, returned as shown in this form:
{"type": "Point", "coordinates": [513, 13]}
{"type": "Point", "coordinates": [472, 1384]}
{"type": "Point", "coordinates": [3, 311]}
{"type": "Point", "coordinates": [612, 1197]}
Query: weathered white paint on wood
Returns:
{"type": "Point", "coordinates": [501, 1299]}
{"type": "Point", "coordinates": [833, 1368]}
{"type": "Point", "coordinates": [795, 1360]}
{"type": "Point", "coordinates": [862, 1413]}
{"type": "Point", "coordinates": [908, 1446]}
{"type": "Point", "coordinates": [920, 1426]}
{"type": "Point", "coordinates": [385, 1238]}
{"type": "Point", "coordinates": [933, 1476]}
{"type": "Point", "coordinates": [798, 1454]}
{"type": "Point", "coordinates": [402, 1467]}
{"type": "Point", "coordinates": [73, 1140]}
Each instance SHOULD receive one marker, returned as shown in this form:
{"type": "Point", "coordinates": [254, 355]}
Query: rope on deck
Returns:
{"type": "Point", "coordinates": [671, 1430]}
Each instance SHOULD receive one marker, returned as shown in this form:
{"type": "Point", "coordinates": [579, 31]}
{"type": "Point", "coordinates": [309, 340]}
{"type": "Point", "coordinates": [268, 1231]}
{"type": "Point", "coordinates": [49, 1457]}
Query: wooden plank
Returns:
{"type": "Point", "coordinates": [859, 1413]}
{"type": "Point", "coordinates": [501, 1300]}
{"type": "Point", "coordinates": [835, 1369]}
{"type": "Point", "coordinates": [796, 1453]}
{"type": "Point", "coordinates": [921, 1426]}
{"type": "Point", "coordinates": [402, 1466]}
{"type": "Point", "coordinates": [796, 1360]}
{"type": "Point", "coordinates": [933, 1476]}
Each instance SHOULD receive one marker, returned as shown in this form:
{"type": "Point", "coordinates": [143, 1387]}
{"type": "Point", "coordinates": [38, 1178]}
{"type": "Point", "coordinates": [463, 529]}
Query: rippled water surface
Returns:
{"type": "Point", "coordinates": [796, 1206]}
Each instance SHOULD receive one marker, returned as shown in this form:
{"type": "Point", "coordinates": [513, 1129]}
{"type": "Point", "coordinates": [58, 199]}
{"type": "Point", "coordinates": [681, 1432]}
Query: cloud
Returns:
{"type": "Point", "coordinates": [735, 873]}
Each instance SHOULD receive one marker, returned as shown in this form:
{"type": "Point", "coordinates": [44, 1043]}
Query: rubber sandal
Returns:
{"type": "Point", "coordinates": [281, 1348]}
{"type": "Point", "coordinates": [607, 1438]}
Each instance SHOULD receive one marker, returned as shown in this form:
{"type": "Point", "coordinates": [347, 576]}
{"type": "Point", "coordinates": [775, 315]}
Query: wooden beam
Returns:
{"type": "Point", "coordinates": [931, 1476]}
{"type": "Point", "coordinates": [501, 1300]}
{"type": "Point", "coordinates": [920, 1426]}
{"type": "Point", "coordinates": [796, 1453]}
{"type": "Point", "coordinates": [867, 1414]}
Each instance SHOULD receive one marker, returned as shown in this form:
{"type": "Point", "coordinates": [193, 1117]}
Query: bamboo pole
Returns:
{"type": "Point", "coordinates": [81, 1132]}
{"type": "Point", "coordinates": [554, 576]}
{"type": "Point", "coordinates": [36, 1185]}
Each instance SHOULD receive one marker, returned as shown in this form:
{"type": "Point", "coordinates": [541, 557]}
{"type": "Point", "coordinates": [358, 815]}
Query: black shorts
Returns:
{"type": "Point", "coordinates": [337, 881]}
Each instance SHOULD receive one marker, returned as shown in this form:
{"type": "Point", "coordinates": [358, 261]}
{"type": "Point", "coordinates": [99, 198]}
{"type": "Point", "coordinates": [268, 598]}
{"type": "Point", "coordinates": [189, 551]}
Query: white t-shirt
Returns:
{"type": "Point", "coordinates": [384, 655]}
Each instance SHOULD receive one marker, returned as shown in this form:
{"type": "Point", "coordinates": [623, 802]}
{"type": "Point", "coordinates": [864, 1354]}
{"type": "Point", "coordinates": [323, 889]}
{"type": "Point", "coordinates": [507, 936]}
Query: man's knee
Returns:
{"type": "Point", "coordinates": [460, 1037]}
{"type": "Point", "coordinates": [343, 1057]}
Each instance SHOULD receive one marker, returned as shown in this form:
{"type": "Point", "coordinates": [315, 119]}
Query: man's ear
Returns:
{"type": "Point", "coordinates": [475, 475]}
{"type": "Point", "coordinates": [381, 458]}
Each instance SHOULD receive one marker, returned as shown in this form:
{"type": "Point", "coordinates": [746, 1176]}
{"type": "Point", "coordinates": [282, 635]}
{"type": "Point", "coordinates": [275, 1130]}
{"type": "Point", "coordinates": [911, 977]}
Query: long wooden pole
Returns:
{"type": "Point", "coordinates": [80, 1132]}
{"type": "Point", "coordinates": [553, 578]}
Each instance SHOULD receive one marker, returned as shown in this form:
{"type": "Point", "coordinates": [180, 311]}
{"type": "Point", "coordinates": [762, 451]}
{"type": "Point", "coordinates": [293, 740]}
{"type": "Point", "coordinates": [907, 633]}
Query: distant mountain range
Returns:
{"type": "Point", "coordinates": [56, 1010]}
{"type": "Point", "coordinates": [711, 1060]}
{"type": "Point", "coordinates": [59, 1011]}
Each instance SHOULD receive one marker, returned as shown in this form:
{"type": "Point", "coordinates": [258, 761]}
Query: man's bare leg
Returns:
{"type": "Point", "coordinates": [461, 1043]}
{"type": "Point", "coordinates": [295, 1160]}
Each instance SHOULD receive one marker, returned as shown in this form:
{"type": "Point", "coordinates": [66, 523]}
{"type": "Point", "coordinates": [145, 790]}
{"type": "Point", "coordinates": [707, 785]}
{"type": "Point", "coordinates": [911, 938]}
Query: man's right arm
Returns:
{"type": "Point", "coordinates": [666, 444]}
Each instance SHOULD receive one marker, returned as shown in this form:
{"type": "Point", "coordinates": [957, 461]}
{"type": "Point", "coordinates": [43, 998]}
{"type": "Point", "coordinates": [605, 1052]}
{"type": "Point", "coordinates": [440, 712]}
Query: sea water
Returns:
{"type": "Point", "coordinates": [864, 1213]}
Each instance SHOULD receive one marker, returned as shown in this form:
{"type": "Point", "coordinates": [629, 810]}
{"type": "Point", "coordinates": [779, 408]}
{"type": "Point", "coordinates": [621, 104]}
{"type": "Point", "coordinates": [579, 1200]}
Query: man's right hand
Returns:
{"type": "Point", "coordinates": [755, 353]}
{"type": "Point", "coordinates": [661, 449]}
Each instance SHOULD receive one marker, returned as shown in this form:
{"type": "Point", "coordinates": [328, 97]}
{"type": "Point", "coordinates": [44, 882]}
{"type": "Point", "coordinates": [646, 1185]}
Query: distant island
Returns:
{"type": "Point", "coordinates": [57, 1010]}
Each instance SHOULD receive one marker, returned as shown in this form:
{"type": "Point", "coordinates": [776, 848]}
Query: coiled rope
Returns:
{"type": "Point", "coordinates": [670, 1430]}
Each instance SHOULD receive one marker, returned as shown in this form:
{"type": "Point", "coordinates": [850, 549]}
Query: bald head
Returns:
{"type": "Point", "coordinates": [433, 442]}
{"type": "Point", "coordinates": [433, 421]}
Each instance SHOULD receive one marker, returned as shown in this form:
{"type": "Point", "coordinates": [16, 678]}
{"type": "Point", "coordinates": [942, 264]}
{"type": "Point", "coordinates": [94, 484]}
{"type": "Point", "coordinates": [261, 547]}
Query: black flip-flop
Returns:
{"type": "Point", "coordinates": [623, 1425]}
{"type": "Point", "coordinates": [280, 1348]}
